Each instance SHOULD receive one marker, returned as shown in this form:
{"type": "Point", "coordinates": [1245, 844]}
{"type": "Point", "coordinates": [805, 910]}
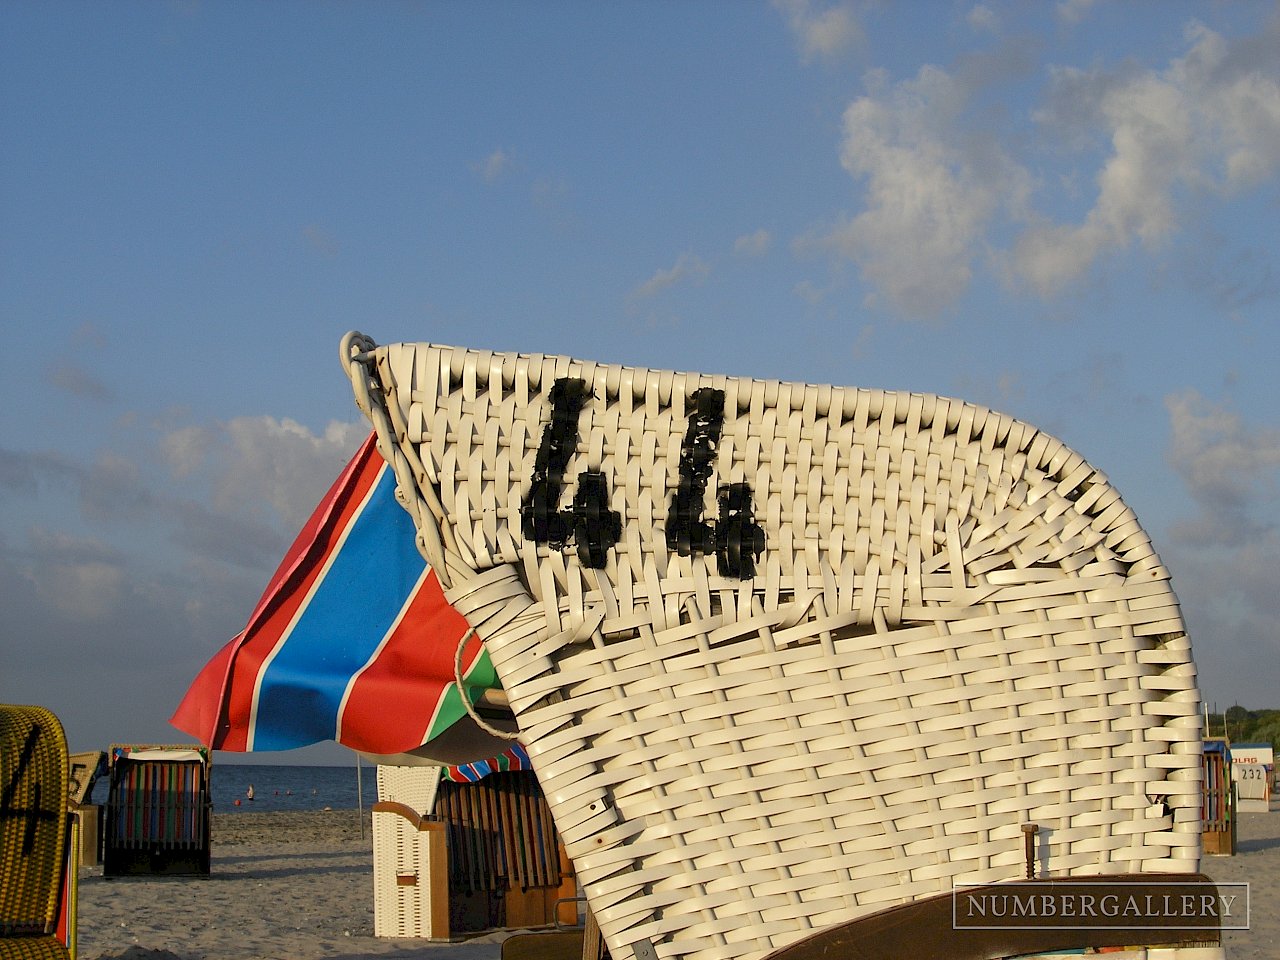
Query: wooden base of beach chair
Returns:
{"type": "Point", "coordinates": [593, 945]}
{"type": "Point", "coordinates": [544, 945]}
{"type": "Point", "coordinates": [586, 943]}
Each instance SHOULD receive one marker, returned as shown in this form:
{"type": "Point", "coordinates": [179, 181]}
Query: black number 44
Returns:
{"type": "Point", "coordinates": [589, 523]}
{"type": "Point", "coordinates": [735, 538]}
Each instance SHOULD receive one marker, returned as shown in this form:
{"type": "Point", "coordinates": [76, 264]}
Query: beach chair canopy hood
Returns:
{"type": "Point", "coordinates": [786, 654]}
{"type": "Point", "coordinates": [352, 641]}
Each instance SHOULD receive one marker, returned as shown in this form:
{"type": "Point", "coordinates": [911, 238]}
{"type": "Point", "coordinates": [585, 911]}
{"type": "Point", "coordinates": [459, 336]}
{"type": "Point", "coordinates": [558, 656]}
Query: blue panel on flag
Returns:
{"type": "Point", "coordinates": [350, 612]}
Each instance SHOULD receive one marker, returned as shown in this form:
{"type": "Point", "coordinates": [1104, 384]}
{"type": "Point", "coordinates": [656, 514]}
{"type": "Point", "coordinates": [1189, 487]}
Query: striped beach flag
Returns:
{"type": "Point", "coordinates": [352, 640]}
{"type": "Point", "coordinates": [514, 758]}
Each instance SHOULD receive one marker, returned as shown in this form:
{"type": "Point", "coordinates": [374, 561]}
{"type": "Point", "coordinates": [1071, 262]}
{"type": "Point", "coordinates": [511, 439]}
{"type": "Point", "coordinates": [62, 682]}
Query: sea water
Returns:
{"type": "Point", "coordinates": [291, 788]}
{"type": "Point", "coordinates": [283, 787]}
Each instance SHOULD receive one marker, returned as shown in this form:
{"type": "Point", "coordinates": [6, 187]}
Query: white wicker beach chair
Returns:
{"type": "Point", "coordinates": [410, 894]}
{"type": "Point", "coordinates": [787, 655]}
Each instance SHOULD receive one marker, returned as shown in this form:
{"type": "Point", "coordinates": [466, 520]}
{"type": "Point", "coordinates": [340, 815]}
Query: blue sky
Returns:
{"type": "Point", "coordinates": [1065, 211]}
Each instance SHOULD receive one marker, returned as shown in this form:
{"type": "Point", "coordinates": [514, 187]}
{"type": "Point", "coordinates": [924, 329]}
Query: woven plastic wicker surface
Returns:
{"type": "Point", "coordinates": [402, 876]}
{"type": "Point", "coordinates": [33, 828]}
{"type": "Point", "coordinates": [414, 786]}
{"type": "Point", "coordinates": [786, 654]}
{"type": "Point", "coordinates": [46, 947]}
{"type": "Point", "coordinates": [401, 850]}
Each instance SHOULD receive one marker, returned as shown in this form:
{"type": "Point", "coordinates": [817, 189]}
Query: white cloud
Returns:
{"type": "Point", "coordinates": [250, 463]}
{"type": "Point", "coordinates": [19, 473]}
{"type": "Point", "coordinates": [113, 561]}
{"type": "Point", "coordinates": [753, 244]}
{"type": "Point", "coordinates": [1231, 276]}
{"type": "Point", "coordinates": [809, 292]}
{"type": "Point", "coordinates": [1224, 559]}
{"type": "Point", "coordinates": [280, 463]}
{"type": "Point", "coordinates": [1049, 256]}
{"type": "Point", "coordinates": [1232, 607]}
{"type": "Point", "coordinates": [87, 335]}
{"type": "Point", "coordinates": [1228, 467]}
{"type": "Point", "coordinates": [84, 591]}
{"type": "Point", "coordinates": [72, 376]}
{"type": "Point", "coordinates": [862, 343]}
{"type": "Point", "coordinates": [1074, 11]}
{"type": "Point", "coordinates": [321, 240]}
{"type": "Point", "coordinates": [184, 449]}
{"type": "Point", "coordinates": [940, 186]}
{"type": "Point", "coordinates": [57, 546]}
{"type": "Point", "coordinates": [80, 577]}
{"type": "Point", "coordinates": [982, 17]}
{"type": "Point", "coordinates": [114, 490]}
{"type": "Point", "coordinates": [242, 489]}
{"type": "Point", "coordinates": [79, 382]}
{"type": "Point", "coordinates": [820, 33]}
{"type": "Point", "coordinates": [689, 267]}
{"type": "Point", "coordinates": [932, 191]}
{"type": "Point", "coordinates": [494, 166]}
{"type": "Point", "coordinates": [1210, 122]}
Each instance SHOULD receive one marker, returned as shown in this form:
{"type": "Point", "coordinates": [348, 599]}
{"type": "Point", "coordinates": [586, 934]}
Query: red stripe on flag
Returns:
{"type": "Point", "coordinates": [408, 672]}
{"type": "Point", "coordinates": [242, 659]}
{"type": "Point", "coordinates": [200, 711]}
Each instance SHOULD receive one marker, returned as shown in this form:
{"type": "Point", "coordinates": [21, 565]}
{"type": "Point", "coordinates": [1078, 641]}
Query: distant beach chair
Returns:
{"type": "Point", "coordinates": [456, 857]}
{"type": "Point", "coordinates": [158, 815]}
{"type": "Point", "coordinates": [410, 866]}
{"type": "Point", "coordinates": [37, 876]}
{"type": "Point", "coordinates": [792, 661]}
{"type": "Point", "coordinates": [86, 768]}
{"type": "Point", "coordinates": [1219, 800]}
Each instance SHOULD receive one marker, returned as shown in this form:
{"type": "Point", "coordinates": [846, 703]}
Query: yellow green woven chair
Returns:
{"type": "Point", "coordinates": [33, 832]}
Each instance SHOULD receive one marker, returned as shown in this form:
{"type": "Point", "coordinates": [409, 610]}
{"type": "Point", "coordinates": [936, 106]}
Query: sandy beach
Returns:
{"type": "Point", "coordinates": [282, 885]}
{"type": "Point", "coordinates": [300, 886]}
{"type": "Point", "coordinates": [1257, 863]}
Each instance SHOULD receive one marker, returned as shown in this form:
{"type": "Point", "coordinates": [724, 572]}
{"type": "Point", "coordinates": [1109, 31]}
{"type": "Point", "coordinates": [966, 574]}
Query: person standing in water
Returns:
{"type": "Point", "coordinates": [249, 792]}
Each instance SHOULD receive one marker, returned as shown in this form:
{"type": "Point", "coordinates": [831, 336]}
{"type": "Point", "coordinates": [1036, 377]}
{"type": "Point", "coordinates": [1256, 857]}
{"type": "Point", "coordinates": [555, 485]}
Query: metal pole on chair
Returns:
{"type": "Point", "coordinates": [359, 796]}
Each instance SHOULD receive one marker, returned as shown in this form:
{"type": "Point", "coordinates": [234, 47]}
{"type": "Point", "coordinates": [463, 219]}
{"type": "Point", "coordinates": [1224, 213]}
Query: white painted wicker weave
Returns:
{"type": "Point", "coordinates": [415, 786]}
{"type": "Point", "coordinates": [954, 627]}
{"type": "Point", "coordinates": [402, 852]}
